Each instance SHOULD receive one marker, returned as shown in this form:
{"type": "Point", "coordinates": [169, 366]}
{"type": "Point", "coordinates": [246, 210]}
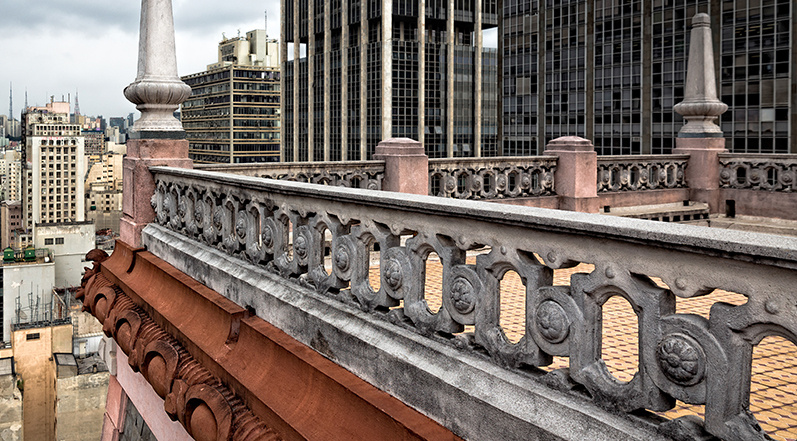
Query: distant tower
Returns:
{"type": "Point", "coordinates": [77, 107]}
{"type": "Point", "coordinates": [10, 101]}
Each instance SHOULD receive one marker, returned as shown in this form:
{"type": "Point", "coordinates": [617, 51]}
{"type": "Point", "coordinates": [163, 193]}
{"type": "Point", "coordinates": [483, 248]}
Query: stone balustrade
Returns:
{"type": "Point", "coordinates": [355, 174]}
{"type": "Point", "coordinates": [641, 172]}
{"type": "Point", "coordinates": [326, 239]}
{"type": "Point", "coordinates": [759, 172]}
{"type": "Point", "coordinates": [492, 178]}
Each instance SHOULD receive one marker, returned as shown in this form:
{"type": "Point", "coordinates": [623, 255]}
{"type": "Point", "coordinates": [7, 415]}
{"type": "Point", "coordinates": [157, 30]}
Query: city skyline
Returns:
{"type": "Point", "coordinates": [97, 42]}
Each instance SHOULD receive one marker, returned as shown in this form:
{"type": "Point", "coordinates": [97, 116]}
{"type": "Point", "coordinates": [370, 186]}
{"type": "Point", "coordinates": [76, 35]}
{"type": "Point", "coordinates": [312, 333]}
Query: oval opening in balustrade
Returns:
{"type": "Point", "coordinates": [289, 245]}
{"type": "Point", "coordinates": [772, 177]}
{"type": "Point", "coordinates": [513, 182]}
{"type": "Point", "coordinates": [463, 182]}
{"type": "Point", "coordinates": [741, 176]}
{"type": "Point", "coordinates": [435, 182]}
{"type": "Point", "coordinates": [374, 278]}
{"type": "Point", "coordinates": [327, 255]}
{"type": "Point", "coordinates": [513, 306]}
{"type": "Point", "coordinates": [433, 282]}
{"type": "Point", "coordinates": [773, 387]}
{"type": "Point", "coordinates": [535, 181]}
{"type": "Point", "coordinates": [616, 178]}
{"type": "Point", "coordinates": [489, 183]}
{"type": "Point", "coordinates": [620, 342]}
{"type": "Point", "coordinates": [634, 176]}
{"type": "Point", "coordinates": [671, 175]}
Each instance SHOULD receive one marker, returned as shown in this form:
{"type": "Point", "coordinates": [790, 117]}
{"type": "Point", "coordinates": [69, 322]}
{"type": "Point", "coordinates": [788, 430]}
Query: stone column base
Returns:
{"type": "Point", "coordinates": [406, 166]}
{"type": "Point", "coordinates": [582, 205]}
{"type": "Point", "coordinates": [703, 168]}
{"type": "Point", "coordinates": [139, 184]}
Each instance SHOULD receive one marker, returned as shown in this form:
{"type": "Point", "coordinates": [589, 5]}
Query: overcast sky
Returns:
{"type": "Point", "coordinates": [57, 47]}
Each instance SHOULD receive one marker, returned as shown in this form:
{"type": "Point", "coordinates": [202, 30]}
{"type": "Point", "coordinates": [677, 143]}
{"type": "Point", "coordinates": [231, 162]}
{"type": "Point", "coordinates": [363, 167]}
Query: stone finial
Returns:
{"type": "Point", "coordinates": [700, 107]}
{"type": "Point", "coordinates": [157, 90]}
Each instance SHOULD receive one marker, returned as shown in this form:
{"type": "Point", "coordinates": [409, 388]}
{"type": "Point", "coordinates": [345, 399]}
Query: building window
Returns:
{"type": "Point", "coordinates": [48, 241]}
{"type": "Point", "coordinates": [33, 336]}
{"type": "Point", "coordinates": [59, 240]}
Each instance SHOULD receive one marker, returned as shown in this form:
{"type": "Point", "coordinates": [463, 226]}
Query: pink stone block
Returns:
{"type": "Point", "coordinates": [139, 184]}
{"type": "Point", "coordinates": [703, 169]}
{"type": "Point", "coordinates": [576, 173]}
{"type": "Point", "coordinates": [406, 166]}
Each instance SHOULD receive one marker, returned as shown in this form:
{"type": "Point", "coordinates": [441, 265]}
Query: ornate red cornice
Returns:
{"type": "Point", "coordinates": [226, 374]}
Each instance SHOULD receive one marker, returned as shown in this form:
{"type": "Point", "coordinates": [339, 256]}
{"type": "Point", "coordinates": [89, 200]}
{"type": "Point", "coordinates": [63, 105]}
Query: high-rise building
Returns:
{"type": "Point", "coordinates": [53, 151]}
{"type": "Point", "coordinates": [376, 70]}
{"type": "Point", "coordinates": [233, 114]}
{"type": "Point", "coordinates": [94, 141]}
{"type": "Point", "coordinates": [611, 72]}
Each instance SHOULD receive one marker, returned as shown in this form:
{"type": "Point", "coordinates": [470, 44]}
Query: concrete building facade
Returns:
{"type": "Point", "coordinates": [233, 115]}
{"type": "Point", "coordinates": [53, 150]}
{"type": "Point", "coordinates": [27, 293]}
{"type": "Point", "coordinates": [68, 244]}
{"type": "Point", "coordinates": [612, 72]}
{"type": "Point", "coordinates": [377, 70]}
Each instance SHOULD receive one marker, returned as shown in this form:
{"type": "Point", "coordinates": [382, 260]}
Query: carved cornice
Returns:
{"type": "Point", "coordinates": [225, 373]}
{"type": "Point", "coordinates": [206, 407]}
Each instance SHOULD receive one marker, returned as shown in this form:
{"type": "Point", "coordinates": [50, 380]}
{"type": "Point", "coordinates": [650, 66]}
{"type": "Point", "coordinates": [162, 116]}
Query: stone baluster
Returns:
{"type": "Point", "coordinates": [157, 138]}
{"type": "Point", "coordinates": [701, 138]}
{"type": "Point", "coordinates": [576, 173]}
{"type": "Point", "coordinates": [406, 166]}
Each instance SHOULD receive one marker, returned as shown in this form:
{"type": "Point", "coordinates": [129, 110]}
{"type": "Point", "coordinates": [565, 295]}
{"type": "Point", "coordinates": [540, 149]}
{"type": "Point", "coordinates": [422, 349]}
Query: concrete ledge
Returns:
{"type": "Point", "coordinates": [462, 391]}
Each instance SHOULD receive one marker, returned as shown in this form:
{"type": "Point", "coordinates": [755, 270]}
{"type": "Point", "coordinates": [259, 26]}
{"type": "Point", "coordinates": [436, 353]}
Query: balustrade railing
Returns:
{"type": "Point", "coordinates": [288, 228]}
{"type": "Point", "coordinates": [497, 178]}
{"type": "Point", "coordinates": [759, 172]}
{"type": "Point", "coordinates": [354, 174]}
{"type": "Point", "coordinates": [637, 173]}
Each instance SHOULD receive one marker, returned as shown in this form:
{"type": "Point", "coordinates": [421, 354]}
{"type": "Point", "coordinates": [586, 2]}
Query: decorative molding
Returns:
{"type": "Point", "coordinates": [681, 356]}
{"type": "Point", "coordinates": [206, 407]}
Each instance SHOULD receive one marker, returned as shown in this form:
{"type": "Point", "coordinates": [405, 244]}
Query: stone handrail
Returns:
{"type": "Point", "coordinates": [492, 178]}
{"type": "Point", "coordinates": [356, 174]}
{"type": "Point", "coordinates": [765, 172]}
{"type": "Point", "coordinates": [641, 172]}
{"type": "Point", "coordinates": [287, 227]}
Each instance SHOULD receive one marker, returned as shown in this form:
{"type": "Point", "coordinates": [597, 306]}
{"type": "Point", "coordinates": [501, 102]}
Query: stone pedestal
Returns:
{"type": "Point", "coordinates": [139, 184]}
{"type": "Point", "coordinates": [406, 166]}
{"type": "Point", "coordinates": [703, 169]}
{"type": "Point", "coordinates": [576, 173]}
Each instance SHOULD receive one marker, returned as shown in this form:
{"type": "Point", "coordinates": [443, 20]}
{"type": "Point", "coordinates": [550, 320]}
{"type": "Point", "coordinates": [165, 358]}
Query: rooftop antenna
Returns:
{"type": "Point", "coordinates": [26, 98]}
{"type": "Point", "coordinates": [266, 25]}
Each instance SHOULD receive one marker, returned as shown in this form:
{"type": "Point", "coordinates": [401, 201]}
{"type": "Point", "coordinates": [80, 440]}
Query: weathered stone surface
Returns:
{"type": "Point", "coordinates": [262, 244]}
{"type": "Point", "coordinates": [576, 169]}
{"type": "Point", "coordinates": [157, 90]}
{"type": "Point", "coordinates": [406, 165]}
{"type": "Point", "coordinates": [700, 107]}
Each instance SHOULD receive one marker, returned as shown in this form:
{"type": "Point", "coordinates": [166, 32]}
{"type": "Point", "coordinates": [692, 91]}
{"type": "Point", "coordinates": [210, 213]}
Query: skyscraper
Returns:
{"type": "Point", "coordinates": [376, 70]}
{"type": "Point", "coordinates": [233, 114]}
{"type": "Point", "coordinates": [611, 71]}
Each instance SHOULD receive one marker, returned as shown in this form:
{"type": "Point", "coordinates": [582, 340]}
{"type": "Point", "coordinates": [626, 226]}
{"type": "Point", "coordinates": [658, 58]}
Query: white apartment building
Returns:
{"type": "Point", "coordinates": [54, 151]}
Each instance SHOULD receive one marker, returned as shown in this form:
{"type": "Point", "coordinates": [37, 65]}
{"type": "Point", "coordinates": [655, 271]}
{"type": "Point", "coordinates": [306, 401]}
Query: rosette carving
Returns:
{"type": "Point", "coordinates": [552, 322]}
{"type": "Point", "coordinates": [681, 359]}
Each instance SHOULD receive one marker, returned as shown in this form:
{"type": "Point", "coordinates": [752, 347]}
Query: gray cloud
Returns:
{"type": "Point", "coordinates": [54, 47]}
